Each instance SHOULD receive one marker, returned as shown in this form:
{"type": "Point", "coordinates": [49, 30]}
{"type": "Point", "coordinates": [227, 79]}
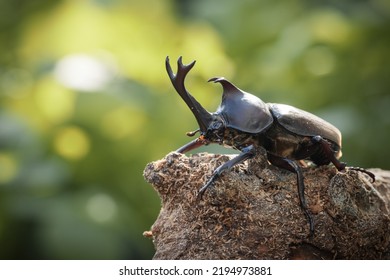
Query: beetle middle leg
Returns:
{"type": "Point", "coordinates": [245, 154]}
{"type": "Point", "coordinates": [294, 167]}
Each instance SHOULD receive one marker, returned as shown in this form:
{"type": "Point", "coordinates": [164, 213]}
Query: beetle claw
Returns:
{"type": "Point", "coordinates": [205, 187]}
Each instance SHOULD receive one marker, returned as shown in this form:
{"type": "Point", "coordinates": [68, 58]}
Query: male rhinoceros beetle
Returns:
{"type": "Point", "coordinates": [244, 122]}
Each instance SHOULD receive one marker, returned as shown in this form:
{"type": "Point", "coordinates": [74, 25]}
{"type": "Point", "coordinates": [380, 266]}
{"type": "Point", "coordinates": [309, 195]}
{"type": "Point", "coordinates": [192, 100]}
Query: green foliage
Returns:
{"type": "Point", "coordinates": [85, 102]}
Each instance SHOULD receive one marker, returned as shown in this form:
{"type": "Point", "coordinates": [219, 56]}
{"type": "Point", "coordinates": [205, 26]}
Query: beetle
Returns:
{"type": "Point", "coordinates": [244, 122]}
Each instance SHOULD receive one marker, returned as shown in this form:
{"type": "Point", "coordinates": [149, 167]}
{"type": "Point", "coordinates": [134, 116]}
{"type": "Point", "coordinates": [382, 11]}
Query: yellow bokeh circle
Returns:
{"type": "Point", "coordinates": [8, 167]}
{"type": "Point", "coordinates": [72, 142]}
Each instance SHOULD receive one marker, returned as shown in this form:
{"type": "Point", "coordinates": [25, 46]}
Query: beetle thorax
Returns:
{"type": "Point", "coordinates": [238, 139]}
{"type": "Point", "coordinates": [220, 134]}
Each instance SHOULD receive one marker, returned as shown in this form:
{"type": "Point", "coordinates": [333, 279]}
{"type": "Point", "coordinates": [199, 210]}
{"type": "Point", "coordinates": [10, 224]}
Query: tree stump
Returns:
{"type": "Point", "coordinates": [253, 211]}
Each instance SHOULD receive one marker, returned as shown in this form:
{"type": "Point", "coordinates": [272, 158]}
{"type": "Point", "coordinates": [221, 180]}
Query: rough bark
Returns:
{"type": "Point", "coordinates": [253, 212]}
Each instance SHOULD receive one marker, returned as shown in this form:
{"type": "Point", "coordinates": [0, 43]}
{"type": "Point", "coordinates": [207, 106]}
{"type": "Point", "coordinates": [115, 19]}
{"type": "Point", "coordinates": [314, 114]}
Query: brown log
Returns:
{"type": "Point", "coordinates": [253, 211]}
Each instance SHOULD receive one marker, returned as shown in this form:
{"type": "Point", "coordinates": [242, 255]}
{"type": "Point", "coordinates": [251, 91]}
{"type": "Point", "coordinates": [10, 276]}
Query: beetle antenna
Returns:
{"type": "Point", "coordinates": [192, 133]}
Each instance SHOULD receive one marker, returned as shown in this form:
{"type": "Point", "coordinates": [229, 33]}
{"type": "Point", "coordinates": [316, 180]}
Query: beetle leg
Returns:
{"type": "Point", "coordinates": [329, 153]}
{"type": "Point", "coordinates": [293, 166]}
{"type": "Point", "coordinates": [372, 176]}
{"type": "Point", "coordinates": [245, 154]}
{"type": "Point", "coordinates": [196, 143]}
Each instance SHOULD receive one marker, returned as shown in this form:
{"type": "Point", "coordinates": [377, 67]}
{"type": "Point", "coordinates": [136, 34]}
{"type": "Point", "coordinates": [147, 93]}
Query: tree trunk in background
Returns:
{"type": "Point", "coordinates": [253, 211]}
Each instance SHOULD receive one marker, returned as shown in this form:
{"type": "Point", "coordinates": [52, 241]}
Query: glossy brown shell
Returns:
{"type": "Point", "coordinates": [304, 123]}
{"type": "Point", "coordinates": [241, 110]}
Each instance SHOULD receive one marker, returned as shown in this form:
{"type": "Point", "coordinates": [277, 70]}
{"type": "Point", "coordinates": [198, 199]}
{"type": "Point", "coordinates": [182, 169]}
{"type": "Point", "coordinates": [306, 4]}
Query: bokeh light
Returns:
{"type": "Point", "coordinates": [71, 142]}
{"type": "Point", "coordinates": [101, 207]}
{"type": "Point", "coordinates": [320, 60]}
{"type": "Point", "coordinates": [83, 72]}
{"type": "Point", "coordinates": [8, 168]}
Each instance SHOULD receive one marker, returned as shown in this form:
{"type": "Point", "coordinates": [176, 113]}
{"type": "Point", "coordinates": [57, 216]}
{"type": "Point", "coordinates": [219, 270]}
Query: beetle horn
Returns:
{"type": "Point", "coordinates": [227, 86]}
{"type": "Point", "coordinates": [242, 110]}
{"type": "Point", "coordinates": [203, 117]}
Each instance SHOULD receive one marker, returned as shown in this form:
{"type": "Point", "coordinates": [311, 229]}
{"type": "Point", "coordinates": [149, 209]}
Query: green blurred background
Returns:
{"type": "Point", "coordinates": [85, 102]}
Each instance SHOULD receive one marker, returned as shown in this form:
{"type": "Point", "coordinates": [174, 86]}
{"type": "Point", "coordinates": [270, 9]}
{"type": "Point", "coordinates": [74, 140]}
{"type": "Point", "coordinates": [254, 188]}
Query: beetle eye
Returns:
{"type": "Point", "coordinates": [216, 125]}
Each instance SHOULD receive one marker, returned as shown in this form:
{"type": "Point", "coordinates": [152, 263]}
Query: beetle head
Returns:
{"type": "Point", "coordinates": [238, 110]}
{"type": "Point", "coordinates": [241, 110]}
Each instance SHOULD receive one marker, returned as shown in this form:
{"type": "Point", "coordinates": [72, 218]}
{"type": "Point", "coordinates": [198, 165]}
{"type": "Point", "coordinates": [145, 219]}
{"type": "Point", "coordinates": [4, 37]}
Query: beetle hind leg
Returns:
{"type": "Point", "coordinates": [326, 154]}
{"type": "Point", "coordinates": [372, 176]}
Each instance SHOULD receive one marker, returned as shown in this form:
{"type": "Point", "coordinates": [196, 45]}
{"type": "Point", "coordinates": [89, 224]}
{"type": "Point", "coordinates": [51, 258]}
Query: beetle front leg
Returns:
{"type": "Point", "coordinates": [245, 154]}
{"type": "Point", "coordinates": [198, 142]}
{"type": "Point", "coordinates": [293, 166]}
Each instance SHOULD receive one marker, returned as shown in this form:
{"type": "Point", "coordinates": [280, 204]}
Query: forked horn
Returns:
{"type": "Point", "coordinates": [203, 117]}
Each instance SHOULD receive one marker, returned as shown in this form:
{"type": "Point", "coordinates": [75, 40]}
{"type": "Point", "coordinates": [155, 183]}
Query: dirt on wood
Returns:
{"type": "Point", "coordinates": [253, 211]}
